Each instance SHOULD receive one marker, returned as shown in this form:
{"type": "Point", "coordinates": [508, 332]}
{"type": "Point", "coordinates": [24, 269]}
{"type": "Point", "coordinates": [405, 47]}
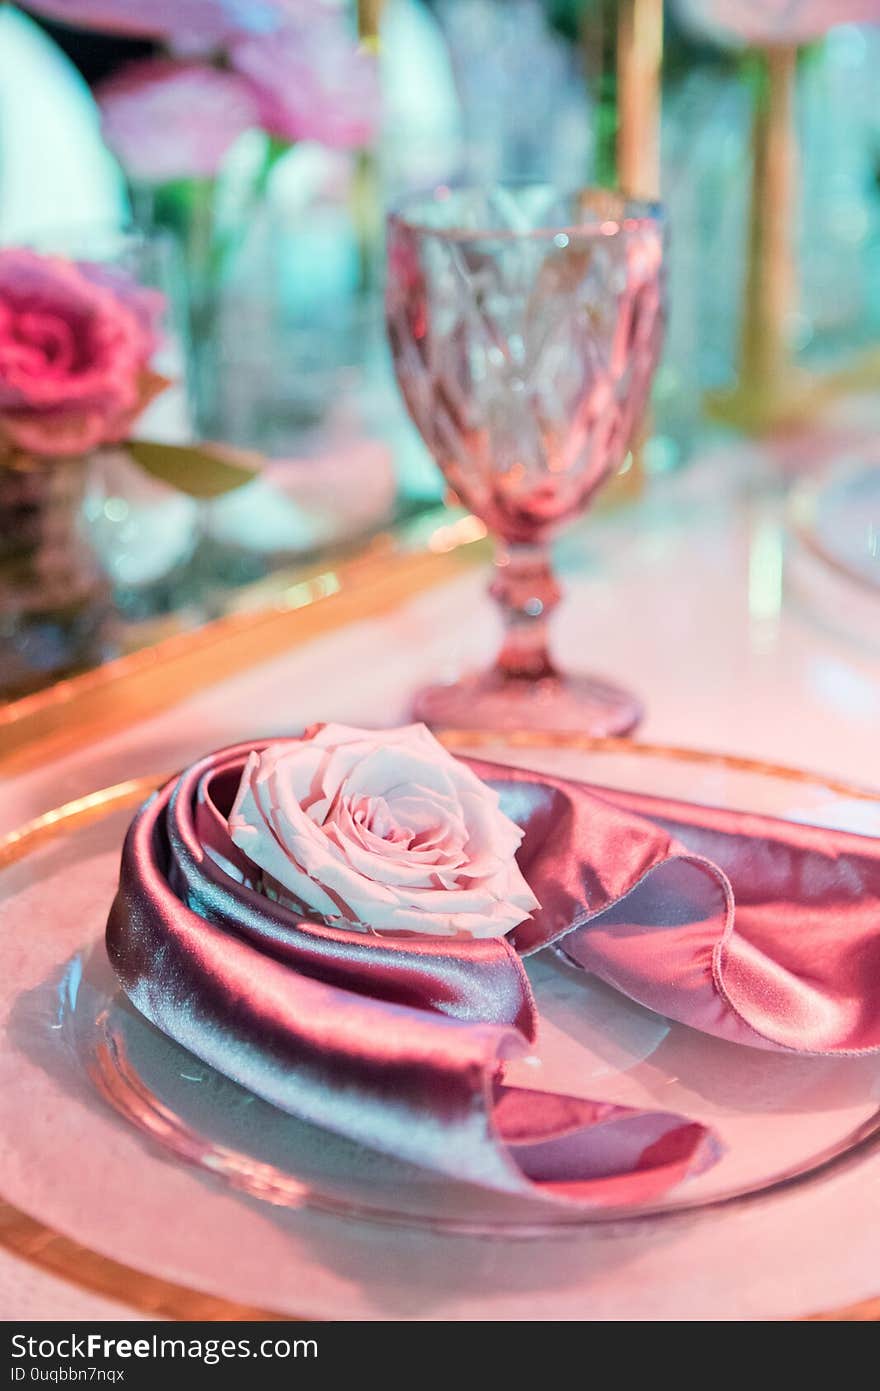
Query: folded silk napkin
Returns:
{"type": "Point", "coordinates": [748, 928]}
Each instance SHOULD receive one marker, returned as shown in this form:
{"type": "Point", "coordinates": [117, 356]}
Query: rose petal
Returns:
{"type": "Point", "coordinates": [773, 21]}
{"type": "Point", "coordinates": [207, 22]}
{"type": "Point", "coordinates": [167, 119]}
{"type": "Point", "coordinates": [312, 82]}
{"type": "Point", "coordinates": [386, 832]}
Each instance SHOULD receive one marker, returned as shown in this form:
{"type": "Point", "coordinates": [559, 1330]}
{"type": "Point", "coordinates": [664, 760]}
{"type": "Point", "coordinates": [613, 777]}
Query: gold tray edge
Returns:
{"type": "Point", "coordinates": [316, 600]}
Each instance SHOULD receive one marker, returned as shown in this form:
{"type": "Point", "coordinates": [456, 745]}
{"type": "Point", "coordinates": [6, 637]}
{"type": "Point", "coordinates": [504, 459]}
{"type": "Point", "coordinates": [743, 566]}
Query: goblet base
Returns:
{"type": "Point", "coordinates": [494, 700]}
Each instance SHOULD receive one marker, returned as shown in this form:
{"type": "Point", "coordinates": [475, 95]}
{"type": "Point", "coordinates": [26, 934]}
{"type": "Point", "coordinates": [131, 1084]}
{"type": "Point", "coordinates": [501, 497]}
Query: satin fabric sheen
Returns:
{"type": "Point", "coordinates": [399, 1043]}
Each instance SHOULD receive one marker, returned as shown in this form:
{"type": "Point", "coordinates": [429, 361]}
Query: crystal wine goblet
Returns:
{"type": "Point", "coordinates": [525, 325]}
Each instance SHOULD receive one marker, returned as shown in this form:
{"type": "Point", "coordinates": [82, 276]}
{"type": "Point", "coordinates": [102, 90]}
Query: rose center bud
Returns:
{"type": "Point", "coordinates": [373, 814]}
{"type": "Point", "coordinates": [45, 340]}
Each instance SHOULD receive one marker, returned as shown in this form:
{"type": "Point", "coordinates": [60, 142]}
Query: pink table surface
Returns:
{"type": "Point", "coordinates": [686, 599]}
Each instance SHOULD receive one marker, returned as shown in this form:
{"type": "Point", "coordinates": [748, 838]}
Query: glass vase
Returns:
{"type": "Point", "coordinates": [54, 598]}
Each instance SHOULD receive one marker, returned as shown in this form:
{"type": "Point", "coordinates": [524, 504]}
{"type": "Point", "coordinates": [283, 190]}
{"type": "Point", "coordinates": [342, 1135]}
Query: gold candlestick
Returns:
{"type": "Point", "coordinates": [772, 390]}
{"type": "Point", "coordinates": [366, 191]}
{"type": "Point", "coordinates": [770, 283]}
{"type": "Point", "coordinates": [639, 63]}
{"type": "Point", "coordinates": [639, 60]}
{"type": "Point", "coordinates": [369, 15]}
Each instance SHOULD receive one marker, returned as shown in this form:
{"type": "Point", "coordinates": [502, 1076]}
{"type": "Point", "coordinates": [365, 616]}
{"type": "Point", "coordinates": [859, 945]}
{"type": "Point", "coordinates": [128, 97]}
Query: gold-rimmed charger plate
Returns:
{"type": "Point", "coordinates": [702, 776]}
{"type": "Point", "coordinates": [836, 517]}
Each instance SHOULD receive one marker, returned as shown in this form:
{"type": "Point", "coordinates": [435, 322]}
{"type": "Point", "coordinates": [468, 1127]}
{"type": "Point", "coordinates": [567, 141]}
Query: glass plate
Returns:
{"type": "Point", "coordinates": [72, 1044]}
{"type": "Point", "coordinates": [833, 561]}
{"type": "Point", "coordinates": [838, 518]}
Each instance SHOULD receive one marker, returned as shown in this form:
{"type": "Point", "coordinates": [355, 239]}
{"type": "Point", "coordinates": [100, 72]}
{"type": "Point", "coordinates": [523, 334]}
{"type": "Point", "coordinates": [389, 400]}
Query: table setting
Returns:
{"type": "Point", "coordinates": [379, 944]}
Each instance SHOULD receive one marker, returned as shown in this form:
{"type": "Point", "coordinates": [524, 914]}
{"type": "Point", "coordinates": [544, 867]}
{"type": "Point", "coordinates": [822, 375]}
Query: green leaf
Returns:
{"type": "Point", "coordinates": [200, 470]}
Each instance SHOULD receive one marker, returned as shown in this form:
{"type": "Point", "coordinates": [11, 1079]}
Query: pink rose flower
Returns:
{"type": "Point", "coordinates": [168, 119]}
{"type": "Point", "coordinates": [312, 82]}
{"type": "Point", "coordinates": [75, 345]}
{"type": "Point", "coordinates": [289, 66]}
{"type": "Point", "coordinates": [205, 23]}
{"type": "Point", "coordinates": [382, 832]}
{"type": "Point", "coordinates": [774, 21]}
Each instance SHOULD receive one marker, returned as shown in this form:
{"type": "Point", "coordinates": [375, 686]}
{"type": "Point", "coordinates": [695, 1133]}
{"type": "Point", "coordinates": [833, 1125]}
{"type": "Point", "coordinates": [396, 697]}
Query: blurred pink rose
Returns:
{"type": "Point", "coordinates": [774, 21]}
{"type": "Point", "coordinates": [168, 119]}
{"type": "Point", "coordinates": [75, 345]}
{"type": "Point", "coordinates": [188, 23]}
{"type": "Point", "coordinates": [312, 82]}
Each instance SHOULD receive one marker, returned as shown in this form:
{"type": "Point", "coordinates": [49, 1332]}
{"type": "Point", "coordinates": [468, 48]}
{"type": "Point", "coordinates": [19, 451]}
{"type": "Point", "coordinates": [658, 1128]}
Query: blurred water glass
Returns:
{"type": "Point", "coordinates": [320, 406]}
{"type": "Point", "coordinates": [839, 222]}
{"type": "Point", "coordinates": [524, 103]}
{"type": "Point", "coordinates": [704, 151]}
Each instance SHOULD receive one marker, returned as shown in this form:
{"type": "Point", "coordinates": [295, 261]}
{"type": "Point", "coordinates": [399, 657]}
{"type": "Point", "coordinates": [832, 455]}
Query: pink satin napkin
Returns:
{"type": "Point", "coordinates": [753, 929]}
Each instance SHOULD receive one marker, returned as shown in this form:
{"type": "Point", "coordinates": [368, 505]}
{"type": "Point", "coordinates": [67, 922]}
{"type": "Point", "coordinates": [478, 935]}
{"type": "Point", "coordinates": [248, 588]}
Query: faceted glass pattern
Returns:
{"type": "Point", "coordinates": [525, 326]}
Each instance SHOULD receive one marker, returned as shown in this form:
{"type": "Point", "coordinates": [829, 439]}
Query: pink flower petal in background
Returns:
{"type": "Point", "coordinates": [168, 119]}
{"type": "Point", "coordinates": [312, 82]}
{"type": "Point", "coordinates": [206, 22]}
{"type": "Point", "coordinates": [773, 21]}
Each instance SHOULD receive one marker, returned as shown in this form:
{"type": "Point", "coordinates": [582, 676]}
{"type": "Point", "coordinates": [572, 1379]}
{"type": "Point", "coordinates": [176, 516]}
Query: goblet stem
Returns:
{"type": "Point", "coordinates": [526, 591]}
{"type": "Point", "coordinates": [524, 689]}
